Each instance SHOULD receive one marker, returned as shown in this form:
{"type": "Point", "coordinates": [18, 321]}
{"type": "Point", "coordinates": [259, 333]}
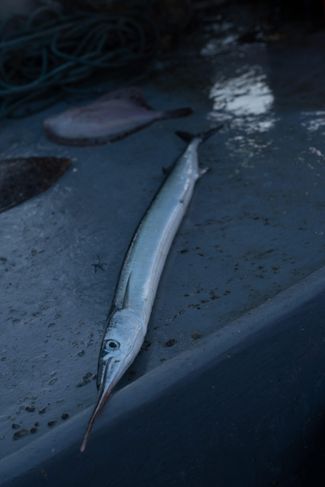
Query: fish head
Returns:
{"type": "Point", "coordinates": [121, 344]}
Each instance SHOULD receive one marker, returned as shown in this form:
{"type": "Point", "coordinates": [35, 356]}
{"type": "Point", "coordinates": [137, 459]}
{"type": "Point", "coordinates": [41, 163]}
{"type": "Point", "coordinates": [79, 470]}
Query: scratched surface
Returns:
{"type": "Point", "coordinates": [255, 225]}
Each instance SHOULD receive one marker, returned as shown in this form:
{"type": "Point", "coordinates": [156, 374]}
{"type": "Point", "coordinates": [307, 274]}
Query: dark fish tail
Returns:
{"type": "Point", "coordinates": [177, 113]}
{"type": "Point", "coordinates": [203, 136]}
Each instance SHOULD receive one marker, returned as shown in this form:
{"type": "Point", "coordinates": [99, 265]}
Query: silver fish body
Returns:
{"type": "Point", "coordinates": [141, 273]}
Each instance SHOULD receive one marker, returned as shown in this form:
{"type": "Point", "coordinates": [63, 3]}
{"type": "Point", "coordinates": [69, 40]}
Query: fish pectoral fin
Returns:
{"type": "Point", "coordinates": [166, 170]}
{"type": "Point", "coordinates": [138, 99]}
{"type": "Point", "coordinates": [132, 94]}
{"type": "Point", "coordinates": [185, 136]}
{"type": "Point", "coordinates": [203, 170]}
{"type": "Point", "coordinates": [127, 293]}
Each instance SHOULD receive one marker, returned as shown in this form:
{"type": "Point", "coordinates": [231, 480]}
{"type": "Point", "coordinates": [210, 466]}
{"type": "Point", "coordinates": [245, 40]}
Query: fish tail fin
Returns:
{"type": "Point", "coordinates": [177, 113]}
{"type": "Point", "coordinates": [202, 136]}
{"type": "Point", "coordinates": [203, 171]}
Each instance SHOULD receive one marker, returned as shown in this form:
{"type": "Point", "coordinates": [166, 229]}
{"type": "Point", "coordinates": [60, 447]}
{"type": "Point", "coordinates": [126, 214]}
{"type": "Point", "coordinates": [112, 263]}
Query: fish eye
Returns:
{"type": "Point", "coordinates": [112, 345]}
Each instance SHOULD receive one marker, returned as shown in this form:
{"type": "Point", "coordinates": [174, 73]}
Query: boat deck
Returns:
{"type": "Point", "coordinates": [255, 226]}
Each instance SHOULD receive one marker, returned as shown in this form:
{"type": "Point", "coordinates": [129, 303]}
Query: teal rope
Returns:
{"type": "Point", "coordinates": [55, 51]}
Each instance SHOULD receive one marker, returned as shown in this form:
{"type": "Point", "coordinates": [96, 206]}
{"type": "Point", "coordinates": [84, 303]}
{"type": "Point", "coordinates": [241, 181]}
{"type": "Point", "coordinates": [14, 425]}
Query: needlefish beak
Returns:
{"type": "Point", "coordinates": [109, 380]}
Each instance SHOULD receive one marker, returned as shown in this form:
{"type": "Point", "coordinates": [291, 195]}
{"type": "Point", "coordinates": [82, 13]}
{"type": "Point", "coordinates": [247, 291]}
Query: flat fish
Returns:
{"type": "Point", "coordinates": [141, 271]}
{"type": "Point", "coordinates": [109, 118]}
{"type": "Point", "coordinates": [22, 178]}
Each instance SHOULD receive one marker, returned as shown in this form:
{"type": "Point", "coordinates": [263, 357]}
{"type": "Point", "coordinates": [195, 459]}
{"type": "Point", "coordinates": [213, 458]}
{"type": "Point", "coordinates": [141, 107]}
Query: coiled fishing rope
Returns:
{"type": "Point", "coordinates": [54, 50]}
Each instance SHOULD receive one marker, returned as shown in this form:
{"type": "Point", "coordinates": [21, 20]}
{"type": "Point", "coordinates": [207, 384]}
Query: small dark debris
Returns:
{"type": "Point", "coordinates": [36, 424]}
{"type": "Point", "coordinates": [42, 411]}
{"type": "Point", "coordinates": [196, 335]}
{"type": "Point", "coordinates": [170, 343]}
{"type": "Point", "coordinates": [20, 434]}
{"type": "Point", "coordinates": [65, 416]}
{"type": "Point", "coordinates": [86, 379]}
{"type": "Point", "coordinates": [99, 265]}
{"type": "Point", "coordinates": [131, 374]}
{"type": "Point", "coordinates": [30, 409]}
{"type": "Point", "coordinates": [166, 170]}
{"type": "Point", "coordinates": [33, 430]}
{"type": "Point", "coordinates": [249, 37]}
{"type": "Point", "coordinates": [44, 473]}
{"type": "Point", "coordinates": [51, 423]}
{"type": "Point", "coordinates": [146, 345]}
{"type": "Point", "coordinates": [183, 251]}
{"type": "Point", "coordinates": [81, 353]}
{"type": "Point", "coordinates": [15, 426]}
{"type": "Point", "coordinates": [163, 360]}
{"type": "Point", "coordinates": [50, 325]}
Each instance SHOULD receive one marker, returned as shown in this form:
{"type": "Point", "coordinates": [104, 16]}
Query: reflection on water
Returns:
{"type": "Point", "coordinates": [215, 46]}
{"type": "Point", "coordinates": [245, 101]}
{"type": "Point", "coordinates": [220, 35]}
{"type": "Point", "coordinates": [314, 121]}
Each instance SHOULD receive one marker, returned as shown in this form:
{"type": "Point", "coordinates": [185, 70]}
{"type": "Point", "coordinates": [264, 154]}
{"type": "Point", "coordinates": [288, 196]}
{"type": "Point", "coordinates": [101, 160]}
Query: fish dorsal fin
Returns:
{"type": "Point", "coordinates": [132, 94]}
{"type": "Point", "coordinates": [138, 99]}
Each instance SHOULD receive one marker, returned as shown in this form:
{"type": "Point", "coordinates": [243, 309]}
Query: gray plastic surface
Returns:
{"type": "Point", "coordinates": [254, 228]}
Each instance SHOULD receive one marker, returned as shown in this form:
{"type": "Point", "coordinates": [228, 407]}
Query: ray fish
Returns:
{"type": "Point", "coordinates": [107, 119]}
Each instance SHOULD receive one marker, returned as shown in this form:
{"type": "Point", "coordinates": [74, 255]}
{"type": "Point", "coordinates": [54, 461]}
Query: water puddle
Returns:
{"type": "Point", "coordinates": [244, 101]}
{"type": "Point", "coordinates": [314, 121]}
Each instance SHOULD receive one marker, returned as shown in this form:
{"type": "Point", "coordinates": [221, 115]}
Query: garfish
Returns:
{"type": "Point", "coordinates": [107, 119]}
{"type": "Point", "coordinates": [141, 271]}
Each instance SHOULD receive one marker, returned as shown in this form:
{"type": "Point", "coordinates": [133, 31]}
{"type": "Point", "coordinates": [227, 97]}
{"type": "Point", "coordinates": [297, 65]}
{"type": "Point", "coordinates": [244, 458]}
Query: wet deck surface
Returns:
{"type": "Point", "coordinates": [255, 225]}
